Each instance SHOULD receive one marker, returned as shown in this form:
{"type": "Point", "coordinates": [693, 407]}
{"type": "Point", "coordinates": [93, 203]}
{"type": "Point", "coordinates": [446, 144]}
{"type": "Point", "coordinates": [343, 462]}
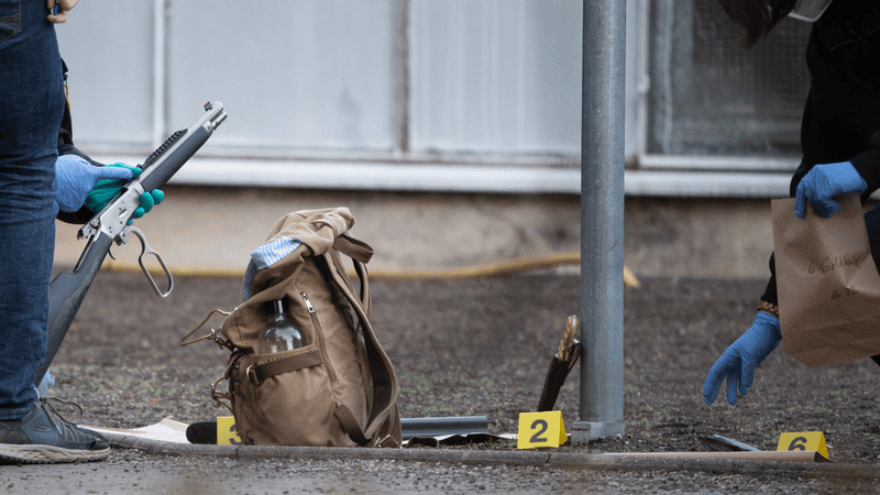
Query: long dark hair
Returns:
{"type": "Point", "coordinates": [757, 17]}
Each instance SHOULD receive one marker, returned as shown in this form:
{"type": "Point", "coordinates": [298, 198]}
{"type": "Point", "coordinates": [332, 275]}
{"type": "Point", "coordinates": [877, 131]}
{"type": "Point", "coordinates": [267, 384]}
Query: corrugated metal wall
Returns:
{"type": "Point", "coordinates": [295, 74]}
{"type": "Point", "coordinates": [496, 76]}
{"type": "Point", "coordinates": [493, 83]}
{"type": "Point", "coordinates": [108, 47]}
{"type": "Point", "coordinates": [489, 76]}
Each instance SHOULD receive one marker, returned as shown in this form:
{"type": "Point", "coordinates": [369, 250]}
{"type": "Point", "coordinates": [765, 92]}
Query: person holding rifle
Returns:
{"type": "Point", "coordinates": [35, 184]}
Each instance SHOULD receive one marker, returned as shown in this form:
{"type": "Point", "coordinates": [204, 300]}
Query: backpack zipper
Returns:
{"type": "Point", "coordinates": [320, 336]}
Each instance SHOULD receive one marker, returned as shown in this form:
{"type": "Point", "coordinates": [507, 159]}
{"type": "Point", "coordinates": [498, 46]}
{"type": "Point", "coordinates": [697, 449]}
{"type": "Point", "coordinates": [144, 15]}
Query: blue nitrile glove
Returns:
{"type": "Point", "coordinates": [105, 190]}
{"type": "Point", "coordinates": [76, 178]}
{"type": "Point", "coordinates": [148, 201]}
{"type": "Point", "coordinates": [822, 183]}
{"type": "Point", "coordinates": [737, 363]}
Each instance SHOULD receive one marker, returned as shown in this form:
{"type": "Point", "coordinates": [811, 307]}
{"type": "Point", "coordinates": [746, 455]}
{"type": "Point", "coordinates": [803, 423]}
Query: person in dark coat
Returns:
{"type": "Point", "coordinates": [840, 141]}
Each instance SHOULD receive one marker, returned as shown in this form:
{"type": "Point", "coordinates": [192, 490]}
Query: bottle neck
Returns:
{"type": "Point", "coordinates": [278, 306]}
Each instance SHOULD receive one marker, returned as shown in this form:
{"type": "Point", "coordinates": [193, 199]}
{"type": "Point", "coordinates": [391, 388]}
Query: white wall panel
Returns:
{"type": "Point", "coordinates": [292, 74]}
{"type": "Point", "coordinates": [496, 75]}
{"type": "Point", "coordinates": [108, 47]}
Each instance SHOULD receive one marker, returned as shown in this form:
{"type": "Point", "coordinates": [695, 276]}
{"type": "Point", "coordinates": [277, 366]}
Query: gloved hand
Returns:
{"type": "Point", "coordinates": [105, 190]}
{"type": "Point", "coordinates": [822, 183]}
{"type": "Point", "coordinates": [76, 177]}
{"type": "Point", "coordinates": [737, 363]}
{"type": "Point", "coordinates": [59, 16]}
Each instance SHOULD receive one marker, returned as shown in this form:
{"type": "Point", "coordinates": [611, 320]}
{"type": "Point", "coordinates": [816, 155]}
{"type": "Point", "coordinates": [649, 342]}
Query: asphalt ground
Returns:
{"type": "Point", "coordinates": [461, 347]}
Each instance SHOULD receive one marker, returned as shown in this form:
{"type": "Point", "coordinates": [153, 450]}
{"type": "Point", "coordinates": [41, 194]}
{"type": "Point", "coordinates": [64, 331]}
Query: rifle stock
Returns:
{"type": "Point", "coordinates": [66, 294]}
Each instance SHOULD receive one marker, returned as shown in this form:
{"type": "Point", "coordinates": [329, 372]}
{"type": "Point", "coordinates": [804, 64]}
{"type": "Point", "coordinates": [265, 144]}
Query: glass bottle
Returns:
{"type": "Point", "coordinates": [280, 335]}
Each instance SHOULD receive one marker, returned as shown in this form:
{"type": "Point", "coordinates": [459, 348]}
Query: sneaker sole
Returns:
{"type": "Point", "coordinates": [48, 454]}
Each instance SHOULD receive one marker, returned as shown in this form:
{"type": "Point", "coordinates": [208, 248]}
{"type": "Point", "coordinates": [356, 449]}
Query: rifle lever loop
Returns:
{"type": "Point", "coordinates": [147, 250]}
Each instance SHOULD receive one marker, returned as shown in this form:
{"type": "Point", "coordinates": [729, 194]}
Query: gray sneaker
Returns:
{"type": "Point", "coordinates": [39, 438]}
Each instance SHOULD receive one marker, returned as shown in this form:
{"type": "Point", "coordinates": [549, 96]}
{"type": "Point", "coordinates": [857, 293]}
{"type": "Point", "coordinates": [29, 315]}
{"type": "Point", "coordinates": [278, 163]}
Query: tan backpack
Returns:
{"type": "Point", "coordinates": [340, 388]}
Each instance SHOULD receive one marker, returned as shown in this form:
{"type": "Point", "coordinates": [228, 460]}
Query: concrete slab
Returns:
{"type": "Point", "coordinates": [727, 463]}
{"type": "Point", "coordinates": [213, 229]}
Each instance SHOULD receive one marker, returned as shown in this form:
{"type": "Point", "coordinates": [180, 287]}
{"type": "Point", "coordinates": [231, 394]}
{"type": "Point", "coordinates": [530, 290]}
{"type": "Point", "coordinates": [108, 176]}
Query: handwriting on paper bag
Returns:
{"type": "Point", "coordinates": [830, 264]}
{"type": "Point", "coordinates": [843, 292]}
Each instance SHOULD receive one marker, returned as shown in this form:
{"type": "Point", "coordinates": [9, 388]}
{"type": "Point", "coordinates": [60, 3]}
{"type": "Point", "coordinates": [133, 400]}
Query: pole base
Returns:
{"type": "Point", "coordinates": [583, 432]}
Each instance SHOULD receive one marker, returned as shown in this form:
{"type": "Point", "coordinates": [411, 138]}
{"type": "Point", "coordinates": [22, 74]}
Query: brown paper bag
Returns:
{"type": "Point", "coordinates": [828, 286]}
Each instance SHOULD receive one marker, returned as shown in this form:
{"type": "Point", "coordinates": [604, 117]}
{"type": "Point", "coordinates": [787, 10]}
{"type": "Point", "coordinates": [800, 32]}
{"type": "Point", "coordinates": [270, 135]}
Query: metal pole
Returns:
{"type": "Point", "coordinates": [602, 160]}
{"type": "Point", "coordinates": [160, 82]}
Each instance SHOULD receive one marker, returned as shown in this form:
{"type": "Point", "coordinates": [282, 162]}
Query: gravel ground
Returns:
{"type": "Point", "coordinates": [463, 348]}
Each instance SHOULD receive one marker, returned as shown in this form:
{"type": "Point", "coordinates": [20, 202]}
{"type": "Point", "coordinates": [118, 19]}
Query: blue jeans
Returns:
{"type": "Point", "coordinates": [31, 108]}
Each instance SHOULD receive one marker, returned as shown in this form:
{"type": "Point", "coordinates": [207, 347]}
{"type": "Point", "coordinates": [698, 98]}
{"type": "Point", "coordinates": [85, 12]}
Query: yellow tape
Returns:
{"type": "Point", "coordinates": [497, 269]}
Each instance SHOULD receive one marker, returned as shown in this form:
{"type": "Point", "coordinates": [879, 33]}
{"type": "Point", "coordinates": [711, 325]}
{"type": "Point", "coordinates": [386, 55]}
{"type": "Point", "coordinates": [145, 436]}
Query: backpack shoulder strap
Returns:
{"type": "Point", "coordinates": [361, 253]}
{"type": "Point", "coordinates": [383, 420]}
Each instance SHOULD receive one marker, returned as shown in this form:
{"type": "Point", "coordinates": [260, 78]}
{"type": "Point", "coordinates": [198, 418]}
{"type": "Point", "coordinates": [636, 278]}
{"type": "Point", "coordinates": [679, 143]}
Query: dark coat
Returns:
{"type": "Point", "coordinates": [842, 114]}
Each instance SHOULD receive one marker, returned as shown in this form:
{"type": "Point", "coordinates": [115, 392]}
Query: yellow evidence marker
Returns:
{"type": "Point", "coordinates": [226, 434]}
{"type": "Point", "coordinates": [809, 441]}
{"type": "Point", "coordinates": [540, 429]}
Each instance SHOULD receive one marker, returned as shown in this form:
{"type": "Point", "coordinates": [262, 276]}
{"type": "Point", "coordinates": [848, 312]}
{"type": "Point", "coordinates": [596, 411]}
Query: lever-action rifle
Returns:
{"type": "Point", "coordinates": [67, 290]}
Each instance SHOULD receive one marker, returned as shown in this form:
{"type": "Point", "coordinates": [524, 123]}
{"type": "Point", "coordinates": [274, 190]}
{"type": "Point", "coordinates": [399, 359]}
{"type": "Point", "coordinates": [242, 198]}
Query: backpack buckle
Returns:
{"type": "Point", "coordinates": [251, 374]}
